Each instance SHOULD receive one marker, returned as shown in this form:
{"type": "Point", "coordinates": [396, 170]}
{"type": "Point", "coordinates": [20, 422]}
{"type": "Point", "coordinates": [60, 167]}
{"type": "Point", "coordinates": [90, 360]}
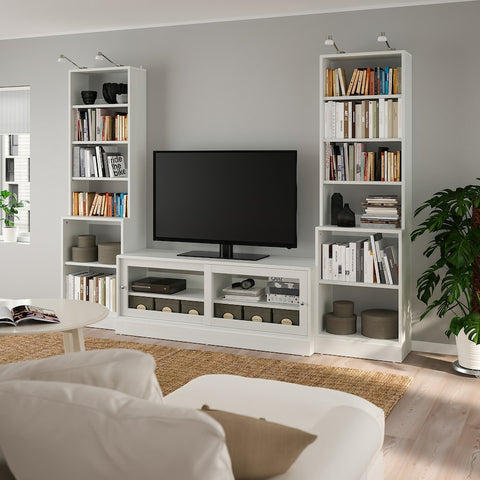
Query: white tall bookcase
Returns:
{"type": "Point", "coordinates": [129, 231]}
{"type": "Point", "coordinates": [367, 295]}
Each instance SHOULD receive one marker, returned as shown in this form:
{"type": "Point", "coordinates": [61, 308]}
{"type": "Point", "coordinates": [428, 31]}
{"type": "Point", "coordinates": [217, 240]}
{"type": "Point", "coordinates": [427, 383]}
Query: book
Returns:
{"type": "Point", "coordinates": [368, 268]}
{"type": "Point", "coordinates": [343, 81]}
{"type": "Point", "coordinates": [243, 298]}
{"type": "Point", "coordinates": [377, 248]}
{"type": "Point", "coordinates": [26, 313]}
{"type": "Point", "coordinates": [392, 263]}
{"type": "Point", "coordinates": [244, 292]}
{"type": "Point", "coordinates": [352, 81]}
{"type": "Point", "coordinates": [117, 166]}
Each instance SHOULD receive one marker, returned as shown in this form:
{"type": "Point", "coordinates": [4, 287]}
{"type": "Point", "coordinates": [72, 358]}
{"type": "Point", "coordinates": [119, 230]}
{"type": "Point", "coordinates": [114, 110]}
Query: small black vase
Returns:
{"type": "Point", "coordinates": [346, 217]}
{"type": "Point", "coordinates": [336, 207]}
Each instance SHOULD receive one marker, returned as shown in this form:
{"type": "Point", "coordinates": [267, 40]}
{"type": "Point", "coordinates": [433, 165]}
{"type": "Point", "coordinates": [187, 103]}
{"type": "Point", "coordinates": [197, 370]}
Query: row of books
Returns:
{"type": "Point", "coordinates": [381, 210]}
{"type": "Point", "coordinates": [380, 118]}
{"type": "Point", "coordinates": [100, 124]}
{"type": "Point", "coordinates": [352, 162]}
{"type": "Point", "coordinates": [364, 81]}
{"type": "Point", "coordinates": [96, 162]}
{"type": "Point", "coordinates": [100, 204]}
{"type": "Point", "coordinates": [366, 260]}
{"type": "Point", "coordinates": [93, 287]}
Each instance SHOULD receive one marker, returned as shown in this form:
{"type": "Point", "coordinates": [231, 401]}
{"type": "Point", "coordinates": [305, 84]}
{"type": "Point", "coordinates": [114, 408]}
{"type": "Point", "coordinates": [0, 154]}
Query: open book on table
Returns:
{"type": "Point", "coordinates": [26, 314]}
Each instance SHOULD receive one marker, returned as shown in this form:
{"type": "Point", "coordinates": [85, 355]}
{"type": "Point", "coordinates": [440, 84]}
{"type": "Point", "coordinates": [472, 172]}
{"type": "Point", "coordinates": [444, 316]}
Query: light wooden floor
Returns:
{"type": "Point", "coordinates": [433, 433]}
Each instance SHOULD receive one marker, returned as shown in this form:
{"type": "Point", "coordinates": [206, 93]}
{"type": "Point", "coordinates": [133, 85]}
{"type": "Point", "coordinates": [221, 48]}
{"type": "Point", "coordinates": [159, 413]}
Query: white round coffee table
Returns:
{"type": "Point", "coordinates": [73, 316]}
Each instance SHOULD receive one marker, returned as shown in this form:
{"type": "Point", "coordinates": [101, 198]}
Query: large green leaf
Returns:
{"type": "Point", "coordinates": [453, 248]}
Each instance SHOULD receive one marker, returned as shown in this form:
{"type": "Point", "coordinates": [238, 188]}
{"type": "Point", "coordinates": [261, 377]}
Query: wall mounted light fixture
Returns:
{"type": "Point", "coordinates": [383, 38]}
{"type": "Point", "coordinates": [100, 56]}
{"type": "Point", "coordinates": [62, 58]}
{"type": "Point", "coordinates": [329, 41]}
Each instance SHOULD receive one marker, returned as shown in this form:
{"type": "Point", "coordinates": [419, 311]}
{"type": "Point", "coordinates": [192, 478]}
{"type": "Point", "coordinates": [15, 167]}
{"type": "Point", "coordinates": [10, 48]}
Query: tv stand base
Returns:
{"type": "Point", "coordinates": [235, 256]}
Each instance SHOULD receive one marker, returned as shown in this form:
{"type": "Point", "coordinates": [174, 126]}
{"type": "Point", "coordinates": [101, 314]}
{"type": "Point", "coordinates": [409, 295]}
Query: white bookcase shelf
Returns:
{"type": "Point", "coordinates": [128, 231]}
{"type": "Point", "coordinates": [366, 295]}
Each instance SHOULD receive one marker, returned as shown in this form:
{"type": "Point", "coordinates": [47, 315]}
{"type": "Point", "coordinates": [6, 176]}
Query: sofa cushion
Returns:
{"type": "Point", "coordinates": [57, 430]}
{"type": "Point", "coordinates": [259, 449]}
{"type": "Point", "coordinates": [128, 371]}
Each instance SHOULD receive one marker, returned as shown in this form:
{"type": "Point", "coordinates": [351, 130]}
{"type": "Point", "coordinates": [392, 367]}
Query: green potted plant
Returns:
{"type": "Point", "coordinates": [9, 205]}
{"type": "Point", "coordinates": [451, 284]}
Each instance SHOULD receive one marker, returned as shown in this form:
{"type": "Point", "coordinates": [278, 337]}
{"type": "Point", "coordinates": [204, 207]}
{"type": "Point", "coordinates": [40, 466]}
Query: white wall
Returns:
{"type": "Point", "coordinates": [247, 84]}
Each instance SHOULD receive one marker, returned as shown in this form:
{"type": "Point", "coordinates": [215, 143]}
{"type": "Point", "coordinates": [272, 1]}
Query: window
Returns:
{"type": "Point", "coordinates": [15, 150]}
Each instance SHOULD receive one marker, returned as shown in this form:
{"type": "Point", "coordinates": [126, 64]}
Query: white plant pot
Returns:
{"type": "Point", "coordinates": [10, 234]}
{"type": "Point", "coordinates": [468, 352]}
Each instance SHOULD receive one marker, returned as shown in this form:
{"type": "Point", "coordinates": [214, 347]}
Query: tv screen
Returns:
{"type": "Point", "coordinates": [241, 197]}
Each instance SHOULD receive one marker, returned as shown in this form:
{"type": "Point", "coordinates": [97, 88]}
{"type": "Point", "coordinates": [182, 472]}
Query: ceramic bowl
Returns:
{"type": "Point", "coordinates": [88, 96]}
{"type": "Point", "coordinates": [110, 91]}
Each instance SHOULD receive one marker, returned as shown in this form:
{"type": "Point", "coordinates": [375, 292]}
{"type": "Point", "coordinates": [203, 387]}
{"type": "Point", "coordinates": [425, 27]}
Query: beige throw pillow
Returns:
{"type": "Point", "coordinates": [259, 449]}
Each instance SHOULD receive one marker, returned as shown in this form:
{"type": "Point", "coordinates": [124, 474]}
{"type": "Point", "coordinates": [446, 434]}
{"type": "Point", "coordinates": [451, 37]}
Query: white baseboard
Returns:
{"type": "Point", "coordinates": [434, 347]}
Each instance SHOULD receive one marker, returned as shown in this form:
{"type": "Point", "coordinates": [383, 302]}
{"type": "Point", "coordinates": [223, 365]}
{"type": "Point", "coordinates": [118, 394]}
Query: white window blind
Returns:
{"type": "Point", "coordinates": [14, 110]}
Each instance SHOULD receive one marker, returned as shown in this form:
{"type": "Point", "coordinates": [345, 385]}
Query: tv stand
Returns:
{"type": "Point", "coordinates": [226, 252]}
{"type": "Point", "coordinates": [202, 314]}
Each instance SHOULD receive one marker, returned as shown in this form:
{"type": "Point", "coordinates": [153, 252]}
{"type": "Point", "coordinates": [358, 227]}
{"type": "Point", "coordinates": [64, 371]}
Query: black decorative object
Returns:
{"type": "Point", "coordinates": [88, 96]}
{"type": "Point", "coordinates": [110, 91]}
{"type": "Point", "coordinates": [336, 206]}
{"type": "Point", "coordinates": [346, 217]}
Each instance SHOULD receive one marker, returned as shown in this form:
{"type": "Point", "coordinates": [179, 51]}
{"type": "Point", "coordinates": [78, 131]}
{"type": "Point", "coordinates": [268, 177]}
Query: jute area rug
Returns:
{"type": "Point", "coordinates": [176, 366]}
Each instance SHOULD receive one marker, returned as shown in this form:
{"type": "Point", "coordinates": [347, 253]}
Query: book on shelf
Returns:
{"type": "Point", "coordinates": [244, 298]}
{"type": "Point", "coordinates": [365, 80]}
{"type": "Point", "coordinates": [100, 124]}
{"type": "Point", "coordinates": [391, 261]}
{"type": "Point", "coordinates": [283, 290]}
{"type": "Point", "coordinates": [376, 240]}
{"type": "Point", "coordinates": [117, 166]}
{"type": "Point", "coordinates": [383, 199]}
{"type": "Point", "coordinates": [368, 265]}
{"type": "Point", "coordinates": [96, 162]}
{"type": "Point", "coordinates": [100, 204]}
{"type": "Point", "coordinates": [284, 280]}
{"type": "Point", "coordinates": [278, 298]}
{"type": "Point", "coordinates": [352, 162]}
{"type": "Point", "coordinates": [381, 210]}
{"type": "Point", "coordinates": [353, 80]}
{"type": "Point", "coordinates": [364, 260]}
{"type": "Point", "coordinates": [376, 118]}
{"type": "Point", "coordinates": [335, 82]}
{"type": "Point", "coordinates": [93, 287]}
{"type": "Point", "coordinates": [244, 292]}
{"type": "Point", "coordinates": [253, 294]}
{"type": "Point", "coordinates": [26, 314]}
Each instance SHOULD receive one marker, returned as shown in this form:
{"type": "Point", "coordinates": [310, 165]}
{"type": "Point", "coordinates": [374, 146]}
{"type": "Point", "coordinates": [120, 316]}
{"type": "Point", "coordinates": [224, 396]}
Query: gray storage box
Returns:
{"type": "Point", "coordinates": [86, 240]}
{"type": "Point", "coordinates": [343, 308]}
{"type": "Point", "coordinates": [107, 252]}
{"type": "Point", "coordinates": [380, 323]}
{"type": "Point", "coordinates": [141, 303]}
{"type": "Point", "coordinates": [228, 311]}
{"type": "Point", "coordinates": [84, 254]}
{"type": "Point", "coordinates": [340, 325]}
{"type": "Point", "coordinates": [285, 317]}
{"type": "Point", "coordinates": [257, 314]}
{"type": "Point", "coordinates": [192, 308]}
{"type": "Point", "coordinates": [167, 305]}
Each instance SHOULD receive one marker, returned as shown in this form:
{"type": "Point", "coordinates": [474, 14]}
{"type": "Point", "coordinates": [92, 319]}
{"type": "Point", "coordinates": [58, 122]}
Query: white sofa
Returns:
{"type": "Point", "coordinates": [101, 415]}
